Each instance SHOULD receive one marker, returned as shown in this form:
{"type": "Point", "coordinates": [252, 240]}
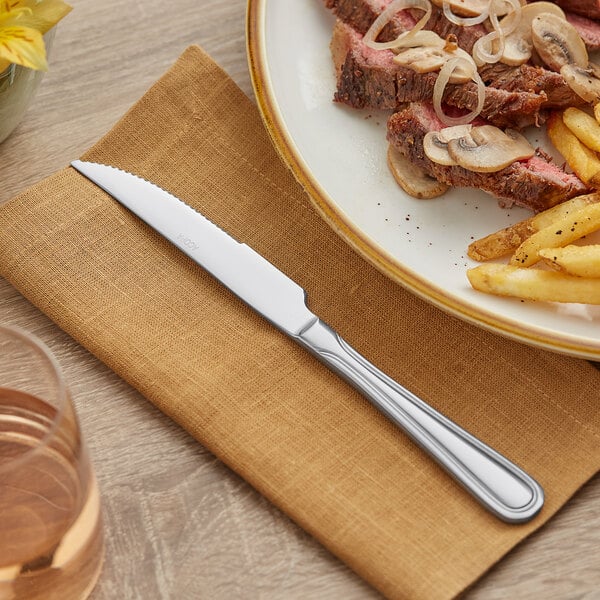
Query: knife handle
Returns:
{"type": "Point", "coordinates": [498, 484]}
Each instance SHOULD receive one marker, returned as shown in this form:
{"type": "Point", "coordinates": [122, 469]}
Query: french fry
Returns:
{"type": "Point", "coordinates": [584, 126]}
{"type": "Point", "coordinates": [558, 234]}
{"type": "Point", "coordinates": [581, 261]}
{"type": "Point", "coordinates": [534, 284]}
{"type": "Point", "coordinates": [548, 236]}
{"type": "Point", "coordinates": [502, 242]}
{"type": "Point", "coordinates": [580, 158]}
{"type": "Point", "coordinates": [597, 112]}
{"type": "Point", "coordinates": [507, 240]}
{"type": "Point", "coordinates": [551, 215]}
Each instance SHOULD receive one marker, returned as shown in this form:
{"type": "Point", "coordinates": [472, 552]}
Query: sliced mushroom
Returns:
{"type": "Point", "coordinates": [557, 42]}
{"type": "Point", "coordinates": [518, 44]}
{"type": "Point", "coordinates": [431, 58]}
{"type": "Point", "coordinates": [423, 37]}
{"type": "Point", "coordinates": [411, 179]}
{"type": "Point", "coordinates": [585, 82]}
{"type": "Point", "coordinates": [465, 8]}
{"type": "Point", "coordinates": [435, 143]}
{"type": "Point", "coordinates": [471, 8]}
{"type": "Point", "coordinates": [487, 149]}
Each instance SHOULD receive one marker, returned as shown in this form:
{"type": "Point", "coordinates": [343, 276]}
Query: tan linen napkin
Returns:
{"type": "Point", "coordinates": [263, 405]}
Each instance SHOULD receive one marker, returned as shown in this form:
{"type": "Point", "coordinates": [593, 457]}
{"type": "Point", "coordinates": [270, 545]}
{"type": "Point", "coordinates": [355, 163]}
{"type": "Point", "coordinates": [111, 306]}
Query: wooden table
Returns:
{"type": "Point", "coordinates": [179, 524]}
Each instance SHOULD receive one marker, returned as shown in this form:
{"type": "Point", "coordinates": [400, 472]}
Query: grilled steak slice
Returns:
{"type": "Point", "coordinates": [369, 78]}
{"type": "Point", "coordinates": [588, 30]}
{"type": "Point", "coordinates": [585, 8]}
{"type": "Point", "coordinates": [532, 79]}
{"type": "Point", "coordinates": [536, 183]}
{"type": "Point", "coordinates": [465, 36]}
{"type": "Point", "coordinates": [360, 14]}
{"type": "Point", "coordinates": [365, 78]}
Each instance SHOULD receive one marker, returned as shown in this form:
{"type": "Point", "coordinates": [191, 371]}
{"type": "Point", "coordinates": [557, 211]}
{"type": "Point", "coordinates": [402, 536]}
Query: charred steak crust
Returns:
{"type": "Point", "coordinates": [370, 79]}
{"type": "Point", "coordinates": [361, 83]}
{"type": "Point", "coordinates": [534, 79]}
{"type": "Point", "coordinates": [465, 36]}
{"type": "Point", "coordinates": [536, 183]}
{"type": "Point", "coordinates": [360, 14]}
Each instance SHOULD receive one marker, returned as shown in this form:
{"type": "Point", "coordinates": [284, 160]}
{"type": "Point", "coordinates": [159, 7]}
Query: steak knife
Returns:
{"type": "Point", "coordinates": [497, 483]}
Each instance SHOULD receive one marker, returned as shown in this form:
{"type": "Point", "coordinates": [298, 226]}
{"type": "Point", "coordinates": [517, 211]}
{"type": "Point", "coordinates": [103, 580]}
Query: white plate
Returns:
{"type": "Point", "coordinates": [339, 155]}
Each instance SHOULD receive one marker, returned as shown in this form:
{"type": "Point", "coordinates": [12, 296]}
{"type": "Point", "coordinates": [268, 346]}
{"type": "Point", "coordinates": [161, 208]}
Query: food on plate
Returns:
{"type": "Point", "coordinates": [496, 65]}
{"type": "Point", "coordinates": [534, 284]}
{"type": "Point", "coordinates": [587, 8]}
{"type": "Point", "coordinates": [507, 240]}
{"type": "Point", "coordinates": [585, 81]}
{"type": "Point", "coordinates": [565, 230]}
{"type": "Point", "coordinates": [370, 79]}
{"type": "Point", "coordinates": [564, 271]}
{"type": "Point", "coordinates": [463, 81]}
{"type": "Point", "coordinates": [412, 180]}
{"type": "Point", "coordinates": [580, 158]}
{"type": "Point", "coordinates": [535, 183]}
{"type": "Point", "coordinates": [484, 149]}
{"type": "Point", "coordinates": [557, 42]}
{"type": "Point", "coordinates": [588, 30]}
{"type": "Point", "coordinates": [520, 42]}
{"type": "Point", "coordinates": [582, 261]}
{"type": "Point", "coordinates": [584, 126]}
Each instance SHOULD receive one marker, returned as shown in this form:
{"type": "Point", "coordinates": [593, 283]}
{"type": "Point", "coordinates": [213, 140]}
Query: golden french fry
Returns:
{"type": "Point", "coordinates": [502, 242]}
{"type": "Point", "coordinates": [584, 126]}
{"type": "Point", "coordinates": [580, 158]}
{"type": "Point", "coordinates": [548, 235]}
{"type": "Point", "coordinates": [581, 261]}
{"type": "Point", "coordinates": [534, 284]}
{"type": "Point", "coordinates": [559, 233]}
{"type": "Point", "coordinates": [549, 216]}
{"type": "Point", "coordinates": [507, 240]}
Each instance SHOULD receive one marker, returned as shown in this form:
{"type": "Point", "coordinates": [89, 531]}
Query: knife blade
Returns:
{"type": "Point", "coordinates": [497, 483]}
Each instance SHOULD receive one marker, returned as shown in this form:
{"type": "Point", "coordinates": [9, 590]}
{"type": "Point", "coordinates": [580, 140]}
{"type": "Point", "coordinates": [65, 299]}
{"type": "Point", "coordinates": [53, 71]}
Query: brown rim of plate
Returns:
{"type": "Point", "coordinates": [362, 244]}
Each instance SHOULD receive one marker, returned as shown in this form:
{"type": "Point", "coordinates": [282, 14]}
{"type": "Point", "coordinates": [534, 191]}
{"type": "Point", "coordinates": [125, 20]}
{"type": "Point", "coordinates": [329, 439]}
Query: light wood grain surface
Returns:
{"type": "Point", "coordinates": [180, 525]}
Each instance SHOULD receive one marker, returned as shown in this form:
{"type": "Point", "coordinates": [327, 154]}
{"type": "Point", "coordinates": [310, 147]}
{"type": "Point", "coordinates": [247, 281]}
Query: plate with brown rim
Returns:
{"type": "Point", "coordinates": [339, 156]}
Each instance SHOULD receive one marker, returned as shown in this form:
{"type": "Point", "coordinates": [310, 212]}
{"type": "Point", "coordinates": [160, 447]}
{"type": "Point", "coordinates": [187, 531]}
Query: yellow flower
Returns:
{"type": "Point", "coordinates": [22, 25]}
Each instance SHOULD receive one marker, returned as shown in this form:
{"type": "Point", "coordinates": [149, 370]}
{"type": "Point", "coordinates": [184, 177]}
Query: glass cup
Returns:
{"type": "Point", "coordinates": [18, 87]}
{"type": "Point", "coordinates": [51, 540]}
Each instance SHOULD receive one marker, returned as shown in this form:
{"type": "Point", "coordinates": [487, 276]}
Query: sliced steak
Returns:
{"type": "Point", "coordinates": [536, 183]}
{"type": "Point", "coordinates": [465, 36]}
{"type": "Point", "coordinates": [585, 8]}
{"type": "Point", "coordinates": [369, 78]}
{"type": "Point", "coordinates": [360, 14]}
{"type": "Point", "coordinates": [365, 78]}
{"type": "Point", "coordinates": [588, 30]}
{"type": "Point", "coordinates": [532, 79]}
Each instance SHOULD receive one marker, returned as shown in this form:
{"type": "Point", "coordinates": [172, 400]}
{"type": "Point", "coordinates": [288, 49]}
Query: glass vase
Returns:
{"type": "Point", "coordinates": [18, 86]}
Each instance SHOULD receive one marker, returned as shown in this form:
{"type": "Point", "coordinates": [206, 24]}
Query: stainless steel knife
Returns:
{"type": "Point", "coordinates": [505, 489]}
